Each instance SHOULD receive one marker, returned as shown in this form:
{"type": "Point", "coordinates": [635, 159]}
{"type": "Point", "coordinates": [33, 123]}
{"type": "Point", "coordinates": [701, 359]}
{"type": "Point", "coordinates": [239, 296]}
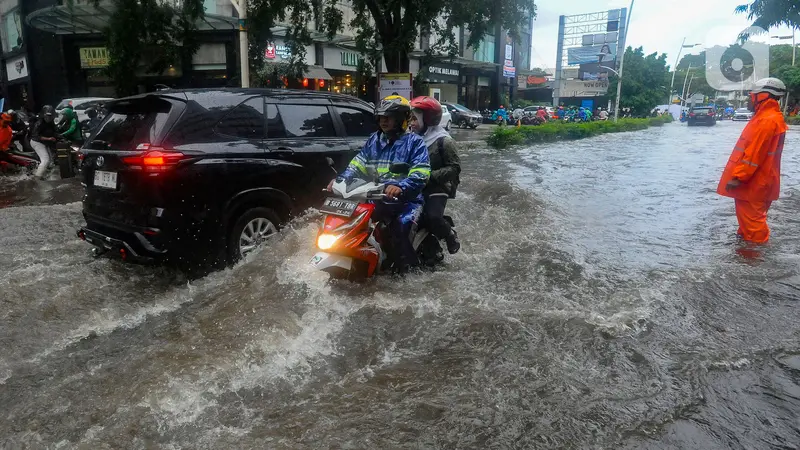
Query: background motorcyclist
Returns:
{"type": "Point", "coordinates": [19, 130]}
{"type": "Point", "coordinates": [445, 168]}
{"type": "Point", "coordinates": [43, 137]}
{"type": "Point", "coordinates": [389, 146]}
{"type": "Point", "coordinates": [6, 133]}
{"type": "Point", "coordinates": [69, 127]}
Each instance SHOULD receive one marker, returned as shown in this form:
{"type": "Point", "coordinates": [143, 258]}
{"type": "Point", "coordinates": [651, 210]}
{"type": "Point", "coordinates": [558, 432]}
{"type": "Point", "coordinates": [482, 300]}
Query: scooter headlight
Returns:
{"type": "Point", "coordinates": [325, 241]}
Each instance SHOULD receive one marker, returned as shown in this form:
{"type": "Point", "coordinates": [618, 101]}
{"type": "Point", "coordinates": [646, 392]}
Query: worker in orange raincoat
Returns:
{"type": "Point", "coordinates": [753, 174]}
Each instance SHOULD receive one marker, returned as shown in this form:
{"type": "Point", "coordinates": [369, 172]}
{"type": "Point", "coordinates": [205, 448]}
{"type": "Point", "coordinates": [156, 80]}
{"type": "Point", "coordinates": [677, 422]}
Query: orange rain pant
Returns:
{"type": "Point", "coordinates": [752, 217]}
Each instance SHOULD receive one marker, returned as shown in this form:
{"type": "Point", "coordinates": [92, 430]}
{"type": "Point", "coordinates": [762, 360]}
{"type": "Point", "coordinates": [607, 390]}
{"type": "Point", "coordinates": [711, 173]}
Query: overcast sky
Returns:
{"type": "Point", "coordinates": [657, 25]}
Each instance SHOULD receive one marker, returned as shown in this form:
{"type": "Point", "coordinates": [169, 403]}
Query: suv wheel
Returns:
{"type": "Point", "coordinates": [252, 229]}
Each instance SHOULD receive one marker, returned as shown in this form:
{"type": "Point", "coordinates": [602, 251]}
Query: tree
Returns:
{"type": "Point", "coordinates": [150, 33]}
{"type": "Point", "coordinates": [645, 81]}
{"type": "Point", "coordinates": [767, 14]}
{"type": "Point", "coordinates": [389, 28]}
{"type": "Point", "coordinates": [539, 72]}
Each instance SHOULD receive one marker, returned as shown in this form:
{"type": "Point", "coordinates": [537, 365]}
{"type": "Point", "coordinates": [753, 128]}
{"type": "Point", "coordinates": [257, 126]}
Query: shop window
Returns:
{"type": "Point", "coordinates": [357, 122]}
{"type": "Point", "coordinates": [245, 121]}
{"type": "Point", "coordinates": [307, 121]}
{"type": "Point", "coordinates": [12, 31]}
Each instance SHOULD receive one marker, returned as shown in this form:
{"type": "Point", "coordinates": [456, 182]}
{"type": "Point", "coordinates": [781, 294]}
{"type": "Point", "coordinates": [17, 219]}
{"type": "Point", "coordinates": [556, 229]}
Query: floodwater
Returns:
{"type": "Point", "coordinates": [600, 300]}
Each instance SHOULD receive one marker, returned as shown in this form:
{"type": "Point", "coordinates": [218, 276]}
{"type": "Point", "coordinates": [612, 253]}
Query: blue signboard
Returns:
{"type": "Point", "coordinates": [588, 104]}
{"type": "Point", "coordinates": [509, 72]}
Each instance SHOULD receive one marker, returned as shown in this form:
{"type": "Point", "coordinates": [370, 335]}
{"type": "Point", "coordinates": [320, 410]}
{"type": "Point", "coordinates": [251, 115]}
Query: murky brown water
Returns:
{"type": "Point", "coordinates": [598, 302]}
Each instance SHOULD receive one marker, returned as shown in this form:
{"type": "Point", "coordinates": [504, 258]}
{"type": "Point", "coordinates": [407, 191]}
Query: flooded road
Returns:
{"type": "Point", "coordinates": [599, 301]}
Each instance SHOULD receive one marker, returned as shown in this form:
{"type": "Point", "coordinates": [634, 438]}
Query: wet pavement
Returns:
{"type": "Point", "coordinates": [600, 301]}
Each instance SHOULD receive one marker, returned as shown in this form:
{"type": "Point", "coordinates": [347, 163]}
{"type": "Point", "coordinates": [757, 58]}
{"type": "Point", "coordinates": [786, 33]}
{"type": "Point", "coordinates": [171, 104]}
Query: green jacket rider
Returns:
{"type": "Point", "coordinates": [73, 132]}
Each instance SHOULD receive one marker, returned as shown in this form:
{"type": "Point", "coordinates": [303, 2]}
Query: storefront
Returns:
{"type": "Point", "coordinates": [442, 81]}
{"type": "Point", "coordinates": [343, 64]}
{"type": "Point", "coordinates": [316, 78]}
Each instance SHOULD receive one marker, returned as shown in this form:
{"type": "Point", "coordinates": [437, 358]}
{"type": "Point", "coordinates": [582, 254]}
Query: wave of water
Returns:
{"type": "Point", "coordinates": [539, 334]}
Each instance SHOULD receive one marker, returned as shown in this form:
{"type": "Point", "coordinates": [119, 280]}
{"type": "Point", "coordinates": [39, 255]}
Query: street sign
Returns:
{"type": "Point", "coordinates": [395, 84]}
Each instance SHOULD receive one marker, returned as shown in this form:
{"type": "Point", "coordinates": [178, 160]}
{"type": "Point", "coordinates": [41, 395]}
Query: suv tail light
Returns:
{"type": "Point", "coordinates": [154, 159]}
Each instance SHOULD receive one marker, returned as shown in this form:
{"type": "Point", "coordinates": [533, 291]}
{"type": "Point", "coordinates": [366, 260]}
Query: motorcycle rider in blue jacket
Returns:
{"type": "Point", "coordinates": [389, 146]}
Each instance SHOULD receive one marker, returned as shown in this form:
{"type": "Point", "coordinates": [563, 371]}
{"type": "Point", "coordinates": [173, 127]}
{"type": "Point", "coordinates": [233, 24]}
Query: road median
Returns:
{"type": "Point", "coordinates": [506, 136]}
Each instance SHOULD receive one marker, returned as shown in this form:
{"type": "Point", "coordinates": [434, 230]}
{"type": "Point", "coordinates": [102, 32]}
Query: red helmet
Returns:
{"type": "Point", "coordinates": [431, 110]}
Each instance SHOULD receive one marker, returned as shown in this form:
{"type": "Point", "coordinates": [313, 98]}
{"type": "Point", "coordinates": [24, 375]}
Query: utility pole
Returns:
{"type": "Point", "coordinates": [621, 62]}
{"type": "Point", "coordinates": [675, 68]}
{"type": "Point", "coordinates": [241, 9]}
{"type": "Point", "coordinates": [683, 92]}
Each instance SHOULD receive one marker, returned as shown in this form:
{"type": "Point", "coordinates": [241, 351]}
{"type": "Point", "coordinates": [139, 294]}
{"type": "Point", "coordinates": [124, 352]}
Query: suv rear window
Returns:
{"type": "Point", "coordinates": [702, 110]}
{"type": "Point", "coordinates": [133, 124]}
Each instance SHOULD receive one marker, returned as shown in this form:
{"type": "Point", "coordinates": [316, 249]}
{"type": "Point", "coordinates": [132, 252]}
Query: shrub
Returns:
{"type": "Point", "coordinates": [502, 137]}
{"type": "Point", "coordinates": [793, 120]}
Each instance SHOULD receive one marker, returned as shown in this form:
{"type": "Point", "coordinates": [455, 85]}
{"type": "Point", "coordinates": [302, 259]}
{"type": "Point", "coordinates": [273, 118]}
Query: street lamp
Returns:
{"type": "Point", "coordinates": [609, 68]}
{"type": "Point", "coordinates": [793, 44]}
{"type": "Point", "coordinates": [794, 48]}
{"type": "Point", "coordinates": [241, 9]}
{"type": "Point", "coordinates": [675, 69]}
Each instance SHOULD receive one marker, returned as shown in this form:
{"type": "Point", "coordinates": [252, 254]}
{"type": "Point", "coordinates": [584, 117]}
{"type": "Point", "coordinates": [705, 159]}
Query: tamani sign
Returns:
{"type": "Point", "coordinates": [94, 57]}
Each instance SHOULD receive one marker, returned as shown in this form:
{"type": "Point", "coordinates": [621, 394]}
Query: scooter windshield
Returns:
{"type": "Point", "coordinates": [354, 183]}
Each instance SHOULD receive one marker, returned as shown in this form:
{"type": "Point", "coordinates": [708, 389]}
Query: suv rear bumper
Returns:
{"type": "Point", "coordinates": [117, 247]}
{"type": "Point", "coordinates": [140, 244]}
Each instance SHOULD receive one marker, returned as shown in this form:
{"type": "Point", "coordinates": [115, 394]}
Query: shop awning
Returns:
{"type": "Point", "coordinates": [87, 19]}
{"type": "Point", "coordinates": [318, 73]}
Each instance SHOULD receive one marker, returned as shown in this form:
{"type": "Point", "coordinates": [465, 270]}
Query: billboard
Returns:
{"type": "Point", "coordinates": [578, 88]}
{"type": "Point", "coordinates": [605, 53]}
{"type": "Point", "coordinates": [595, 71]}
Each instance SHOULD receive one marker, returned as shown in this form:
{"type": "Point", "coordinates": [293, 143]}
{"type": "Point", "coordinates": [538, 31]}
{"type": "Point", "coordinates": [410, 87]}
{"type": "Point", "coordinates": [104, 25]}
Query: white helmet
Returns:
{"type": "Point", "coordinates": [772, 86]}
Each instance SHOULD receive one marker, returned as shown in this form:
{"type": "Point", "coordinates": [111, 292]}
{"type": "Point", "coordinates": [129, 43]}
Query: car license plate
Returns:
{"type": "Point", "coordinates": [105, 179]}
{"type": "Point", "coordinates": [338, 207]}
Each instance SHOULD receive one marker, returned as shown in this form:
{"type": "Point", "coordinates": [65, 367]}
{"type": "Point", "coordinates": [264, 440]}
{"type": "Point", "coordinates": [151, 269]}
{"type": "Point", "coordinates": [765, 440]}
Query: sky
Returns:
{"type": "Point", "coordinates": [657, 25]}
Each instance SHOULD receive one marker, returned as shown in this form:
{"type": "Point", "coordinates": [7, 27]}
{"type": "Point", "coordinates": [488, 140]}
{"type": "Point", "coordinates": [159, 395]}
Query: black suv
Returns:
{"type": "Point", "coordinates": [701, 115]}
{"type": "Point", "coordinates": [204, 176]}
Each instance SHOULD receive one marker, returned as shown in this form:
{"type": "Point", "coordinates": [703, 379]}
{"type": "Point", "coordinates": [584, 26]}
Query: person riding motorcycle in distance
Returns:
{"type": "Point", "coordinates": [388, 146]}
{"type": "Point", "coordinates": [71, 126]}
{"type": "Point", "coordinates": [752, 176]}
{"type": "Point", "coordinates": [43, 135]}
{"type": "Point", "coordinates": [445, 168]}
{"type": "Point", "coordinates": [6, 133]}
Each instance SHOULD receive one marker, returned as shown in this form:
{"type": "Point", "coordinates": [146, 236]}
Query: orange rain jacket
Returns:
{"type": "Point", "coordinates": [6, 136]}
{"type": "Point", "coordinates": [756, 158]}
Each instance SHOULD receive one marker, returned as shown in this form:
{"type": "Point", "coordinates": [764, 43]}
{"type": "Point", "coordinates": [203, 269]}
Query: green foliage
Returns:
{"type": "Point", "coordinates": [645, 81]}
{"type": "Point", "coordinates": [768, 14]}
{"type": "Point", "coordinates": [149, 34]}
{"type": "Point", "coordinates": [502, 137]}
{"type": "Point", "coordinates": [793, 120]}
{"type": "Point", "coordinates": [539, 72]}
{"type": "Point", "coordinates": [387, 28]}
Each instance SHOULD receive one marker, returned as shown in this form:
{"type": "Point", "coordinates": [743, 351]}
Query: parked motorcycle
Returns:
{"type": "Point", "coordinates": [352, 244]}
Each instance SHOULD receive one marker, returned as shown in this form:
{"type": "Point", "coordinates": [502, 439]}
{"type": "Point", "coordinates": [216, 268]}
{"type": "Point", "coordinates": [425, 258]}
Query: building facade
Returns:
{"type": "Point", "coordinates": [50, 52]}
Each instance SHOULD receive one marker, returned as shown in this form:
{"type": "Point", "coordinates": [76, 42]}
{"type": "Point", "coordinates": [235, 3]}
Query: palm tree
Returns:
{"type": "Point", "coordinates": [772, 13]}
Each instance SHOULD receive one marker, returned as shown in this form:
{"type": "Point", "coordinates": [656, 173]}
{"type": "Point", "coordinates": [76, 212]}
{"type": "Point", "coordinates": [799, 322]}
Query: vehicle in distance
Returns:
{"type": "Point", "coordinates": [701, 115]}
{"type": "Point", "coordinates": [205, 176]}
{"type": "Point", "coordinates": [81, 106]}
{"type": "Point", "coordinates": [462, 116]}
{"type": "Point", "coordinates": [742, 114]}
{"type": "Point", "coordinates": [447, 119]}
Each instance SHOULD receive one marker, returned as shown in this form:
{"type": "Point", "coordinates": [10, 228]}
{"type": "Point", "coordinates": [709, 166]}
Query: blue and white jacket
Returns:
{"type": "Point", "coordinates": [378, 154]}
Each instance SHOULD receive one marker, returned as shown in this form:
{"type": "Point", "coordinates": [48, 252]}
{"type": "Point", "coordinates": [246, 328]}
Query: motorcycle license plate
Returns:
{"type": "Point", "coordinates": [105, 179]}
{"type": "Point", "coordinates": [338, 207]}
